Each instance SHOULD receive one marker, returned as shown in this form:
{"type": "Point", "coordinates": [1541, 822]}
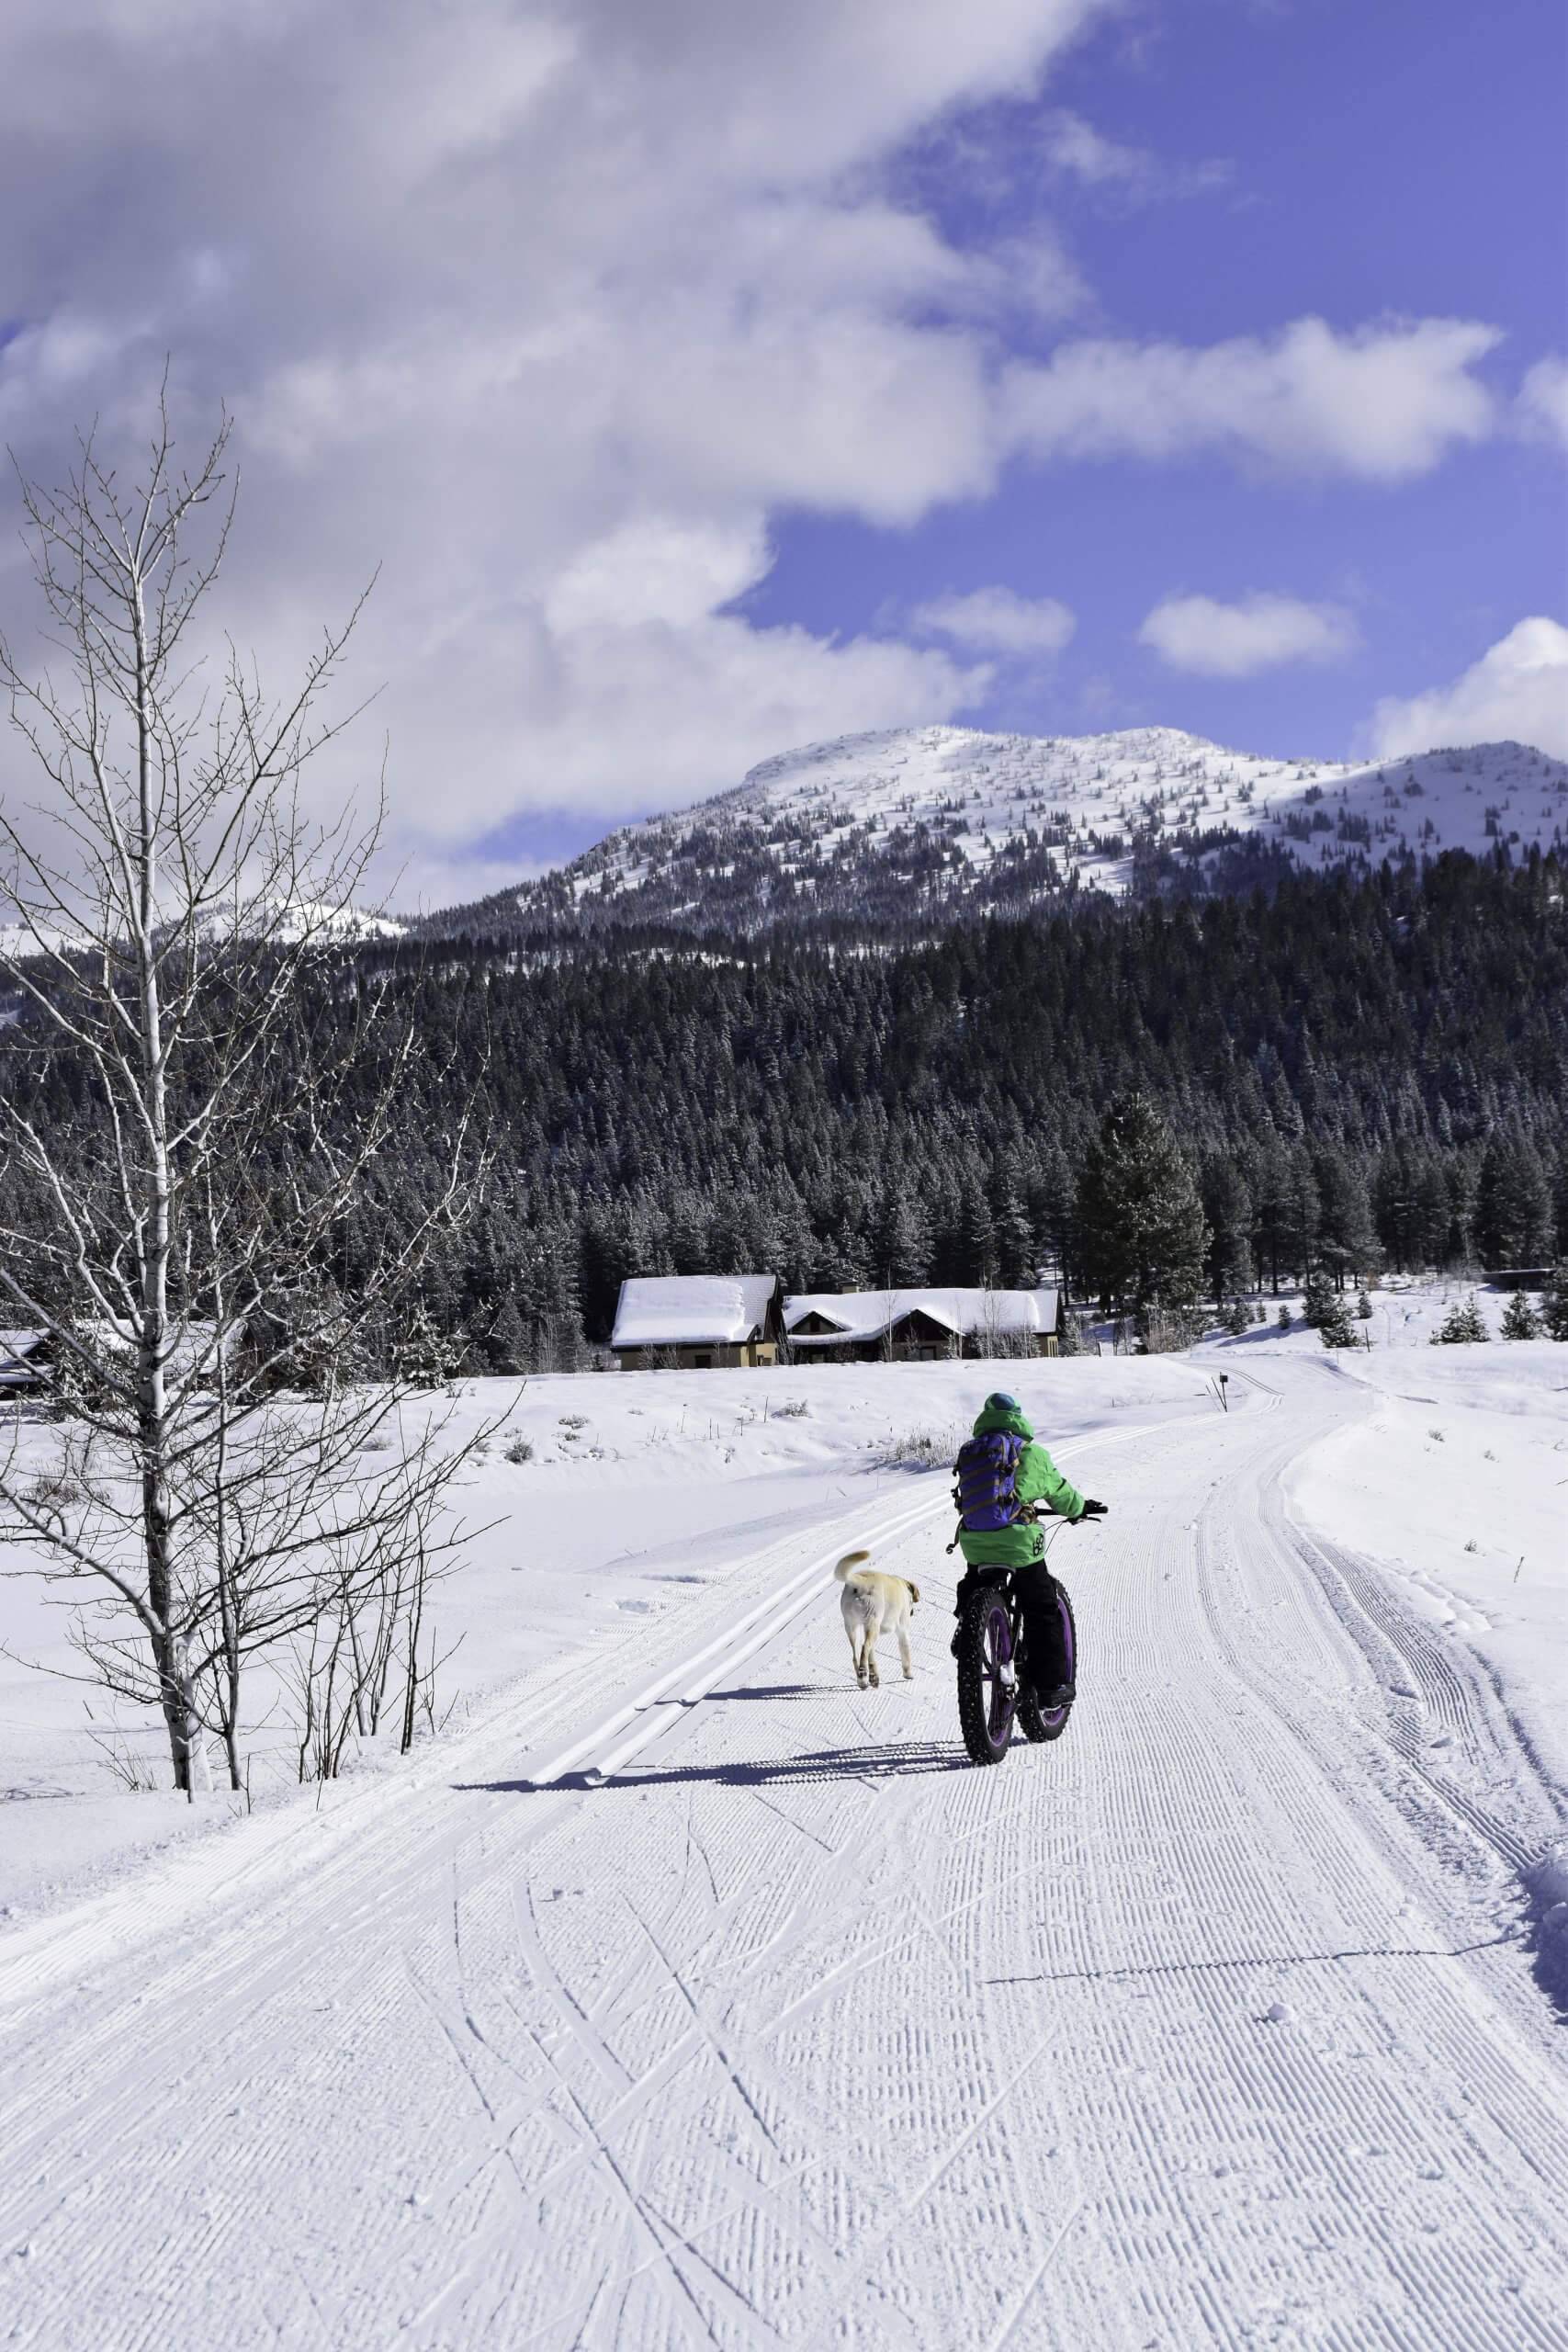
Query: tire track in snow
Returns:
{"type": "Point", "coordinates": [1136, 2153]}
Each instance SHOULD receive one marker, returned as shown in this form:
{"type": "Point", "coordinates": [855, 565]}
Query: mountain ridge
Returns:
{"type": "Point", "coordinates": [908, 826]}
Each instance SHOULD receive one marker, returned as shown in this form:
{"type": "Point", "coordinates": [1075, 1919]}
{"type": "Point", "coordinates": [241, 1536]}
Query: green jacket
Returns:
{"type": "Point", "coordinates": [1038, 1481]}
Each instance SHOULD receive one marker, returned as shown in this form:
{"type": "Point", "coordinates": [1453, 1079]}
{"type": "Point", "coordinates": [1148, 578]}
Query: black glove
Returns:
{"type": "Point", "coordinates": [1094, 1509]}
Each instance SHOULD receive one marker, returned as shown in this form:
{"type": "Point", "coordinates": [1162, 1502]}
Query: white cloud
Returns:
{"type": "Point", "coordinates": [549, 309]}
{"type": "Point", "coordinates": [1076, 151]}
{"type": "Point", "coordinates": [1542, 407]}
{"type": "Point", "coordinates": [657, 568]}
{"type": "Point", "coordinates": [1260, 632]}
{"type": "Point", "coordinates": [545, 309]}
{"type": "Point", "coordinates": [1382, 403]}
{"type": "Point", "coordinates": [1516, 692]}
{"type": "Point", "coordinates": [998, 621]}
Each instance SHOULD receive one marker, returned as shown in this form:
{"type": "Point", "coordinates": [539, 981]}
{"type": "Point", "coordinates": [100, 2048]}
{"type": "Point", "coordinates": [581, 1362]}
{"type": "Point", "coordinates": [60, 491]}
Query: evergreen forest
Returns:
{"type": "Point", "coordinates": [1358, 1071]}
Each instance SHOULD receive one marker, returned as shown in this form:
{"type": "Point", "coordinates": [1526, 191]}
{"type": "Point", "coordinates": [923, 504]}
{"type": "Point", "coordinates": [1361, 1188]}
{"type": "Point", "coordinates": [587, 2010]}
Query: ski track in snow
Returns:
{"type": "Point", "coordinates": [736, 2008]}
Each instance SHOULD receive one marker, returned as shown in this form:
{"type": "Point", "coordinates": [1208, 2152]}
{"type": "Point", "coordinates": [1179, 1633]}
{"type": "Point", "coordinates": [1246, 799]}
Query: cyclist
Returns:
{"type": "Point", "coordinates": [1003, 1473]}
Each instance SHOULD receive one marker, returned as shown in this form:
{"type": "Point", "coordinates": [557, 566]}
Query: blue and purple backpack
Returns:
{"type": "Point", "coordinates": [986, 1493]}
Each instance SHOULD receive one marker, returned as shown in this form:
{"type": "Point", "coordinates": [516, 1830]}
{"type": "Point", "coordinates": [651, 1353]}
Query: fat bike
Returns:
{"type": "Point", "coordinates": [994, 1691]}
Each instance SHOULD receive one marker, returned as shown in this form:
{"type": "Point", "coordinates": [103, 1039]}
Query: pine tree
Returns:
{"type": "Point", "coordinates": [426, 1354]}
{"type": "Point", "coordinates": [1227, 1204]}
{"type": "Point", "coordinates": [976, 1239]}
{"type": "Point", "coordinates": [1364, 1303]}
{"type": "Point", "coordinates": [1237, 1317]}
{"type": "Point", "coordinates": [507, 1341]}
{"type": "Point", "coordinates": [1017, 1258]}
{"type": "Point", "coordinates": [901, 1238]}
{"type": "Point", "coordinates": [1335, 1327]}
{"type": "Point", "coordinates": [1513, 1206]}
{"type": "Point", "coordinates": [1320, 1300]}
{"type": "Point", "coordinates": [1520, 1321]}
{"type": "Point", "coordinates": [1141, 1232]}
{"type": "Point", "coordinates": [1554, 1304]}
{"type": "Point", "coordinates": [1347, 1240]}
{"type": "Point", "coordinates": [1284, 1318]}
{"type": "Point", "coordinates": [1463, 1326]}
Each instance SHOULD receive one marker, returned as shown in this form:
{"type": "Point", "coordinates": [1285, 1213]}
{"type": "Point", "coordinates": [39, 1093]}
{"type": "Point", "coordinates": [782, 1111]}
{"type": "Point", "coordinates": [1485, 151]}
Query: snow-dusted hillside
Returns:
{"type": "Point", "coordinates": [284, 921]}
{"type": "Point", "coordinates": [929, 821]}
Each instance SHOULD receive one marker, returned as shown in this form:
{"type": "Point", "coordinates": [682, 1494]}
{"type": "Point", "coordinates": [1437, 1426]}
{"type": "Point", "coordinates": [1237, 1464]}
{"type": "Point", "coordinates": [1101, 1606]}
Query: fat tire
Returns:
{"type": "Point", "coordinates": [974, 1715]}
{"type": "Point", "coordinates": [1035, 1722]}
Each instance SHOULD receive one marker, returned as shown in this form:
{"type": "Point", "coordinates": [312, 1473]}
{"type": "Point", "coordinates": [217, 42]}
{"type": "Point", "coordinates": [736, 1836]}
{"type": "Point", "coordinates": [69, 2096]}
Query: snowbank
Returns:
{"type": "Point", "coordinates": [1456, 1484]}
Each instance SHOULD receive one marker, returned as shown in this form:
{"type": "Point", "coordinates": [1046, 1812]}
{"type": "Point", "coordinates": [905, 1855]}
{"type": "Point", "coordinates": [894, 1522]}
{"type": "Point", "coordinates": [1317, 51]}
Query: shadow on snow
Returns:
{"type": "Point", "coordinates": [895, 1761]}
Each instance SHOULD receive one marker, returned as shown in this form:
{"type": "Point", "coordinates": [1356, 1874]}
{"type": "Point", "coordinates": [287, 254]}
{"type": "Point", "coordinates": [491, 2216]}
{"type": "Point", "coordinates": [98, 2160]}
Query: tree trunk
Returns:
{"type": "Point", "coordinates": [152, 1335]}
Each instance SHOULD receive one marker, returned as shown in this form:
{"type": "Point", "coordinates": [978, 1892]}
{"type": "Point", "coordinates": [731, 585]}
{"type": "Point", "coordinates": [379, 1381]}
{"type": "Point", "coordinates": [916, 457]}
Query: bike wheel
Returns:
{"type": "Point", "coordinates": [987, 1691]}
{"type": "Point", "coordinates": [1049, 1722]}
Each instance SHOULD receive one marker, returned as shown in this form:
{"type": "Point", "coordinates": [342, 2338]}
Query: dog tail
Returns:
{"type": "Point", "coordinates": [914, 1591]}
{"type": "Point", "coordinates": [849, 1564]}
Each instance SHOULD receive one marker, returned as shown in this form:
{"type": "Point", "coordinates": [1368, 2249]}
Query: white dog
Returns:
{"type": "Point", "coordinates": [875, 1604]}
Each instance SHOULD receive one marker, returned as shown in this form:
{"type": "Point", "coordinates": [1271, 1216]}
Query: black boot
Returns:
{"type": "Point", "coordinates": [959, 1598]}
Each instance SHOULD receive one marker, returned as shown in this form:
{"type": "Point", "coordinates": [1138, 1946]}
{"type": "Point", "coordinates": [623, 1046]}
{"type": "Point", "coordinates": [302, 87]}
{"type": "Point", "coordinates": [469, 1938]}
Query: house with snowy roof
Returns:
{"type": "Point", "coordinates": [695, 1322]}
{"type": "Point", "coordinates": [921, 1326]}
{"type": "Point", "coordinates": [26, 1364]}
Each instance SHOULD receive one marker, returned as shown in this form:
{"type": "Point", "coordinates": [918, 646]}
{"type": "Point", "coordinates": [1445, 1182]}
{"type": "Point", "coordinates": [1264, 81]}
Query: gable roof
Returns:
{"type": "Point", "coordinates": [692, 1310]}
{"type": "Point", "coordinates": [25, 1356]}
{"type": "Point", "coordinates": [18, 1346]}
{"type": "Point", "coordinates": [861, 1315]}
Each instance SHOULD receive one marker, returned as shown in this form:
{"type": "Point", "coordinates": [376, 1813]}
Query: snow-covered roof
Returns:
{"type": "Point", "coordinates": [692, 1310]}
{"type": "Point", "coordinates": [18, 1372]}
{"type": "Point", "coordinates": [18, 1343]}
{"type": "Point", "coordinates": [869, 1314]}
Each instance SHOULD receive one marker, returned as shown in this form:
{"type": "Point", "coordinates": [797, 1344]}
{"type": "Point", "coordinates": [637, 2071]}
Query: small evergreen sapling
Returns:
{"type": "Point", "coordinates": [1335, 1327]}
{"type": "Point", "coordinates": [1554, 1304]}
{"type": "Point", "coordinates": [1363, 1302]}
{"type": "Point", "coordinates": [1284, 1318]}
{"type": "Point", "coordinates": [1319, 1301]}
{"type": "Point", "coordinates": [1520, 1321]}
{"type": "Point", "coordinates": [1462, 1326]}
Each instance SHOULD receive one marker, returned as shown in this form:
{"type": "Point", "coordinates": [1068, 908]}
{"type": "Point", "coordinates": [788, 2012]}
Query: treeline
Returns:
{"type": "Point", "coordinates": [1360, 1070]}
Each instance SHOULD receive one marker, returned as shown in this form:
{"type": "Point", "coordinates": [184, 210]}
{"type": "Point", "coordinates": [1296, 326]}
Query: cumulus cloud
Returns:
{"type": "Point", "coordinates": [1516, 692]}
{"type": "Point", "coordinates": [547, 310]}
{"type": "Point", "coordinates": [1128, 175]}
{"type": "Point", "coordinates": [1380, 403]}
{"type": "Point", "coordinates": [1542, 407]}
{"type": "Point", "coordinates": [998, 621]}
{"type": "Point", "coordinates": [1258, 632]}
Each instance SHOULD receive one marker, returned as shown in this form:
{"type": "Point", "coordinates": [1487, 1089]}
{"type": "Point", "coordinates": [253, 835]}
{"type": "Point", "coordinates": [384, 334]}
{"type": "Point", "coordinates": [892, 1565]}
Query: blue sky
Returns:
{"type": "Point", "coordinates": [1403, 158]}
{"type": "Point", "coordinates": [708, 381]}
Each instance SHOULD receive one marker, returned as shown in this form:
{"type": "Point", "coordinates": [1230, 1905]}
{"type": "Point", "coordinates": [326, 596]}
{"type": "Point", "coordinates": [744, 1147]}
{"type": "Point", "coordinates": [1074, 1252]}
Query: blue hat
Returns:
{"type": "Point", "coordinates": [1000, 1402]}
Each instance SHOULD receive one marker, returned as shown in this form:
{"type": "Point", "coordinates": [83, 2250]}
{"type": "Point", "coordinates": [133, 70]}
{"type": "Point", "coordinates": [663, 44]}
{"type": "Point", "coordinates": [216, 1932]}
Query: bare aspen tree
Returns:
{"type": "Point", "coordinates": [174, 918]}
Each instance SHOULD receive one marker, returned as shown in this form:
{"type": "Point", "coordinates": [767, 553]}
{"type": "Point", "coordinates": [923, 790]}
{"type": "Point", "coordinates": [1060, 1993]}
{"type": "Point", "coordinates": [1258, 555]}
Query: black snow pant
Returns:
{"type": "Point", "coordinates": [1045, 1640]}
{"type": "Point", "coordinates": [1044, 1643]}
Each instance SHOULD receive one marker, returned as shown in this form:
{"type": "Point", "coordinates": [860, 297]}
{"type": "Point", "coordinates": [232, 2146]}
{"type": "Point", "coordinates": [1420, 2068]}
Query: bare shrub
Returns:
{"type": "Point", "coordinates": [922, 1449]}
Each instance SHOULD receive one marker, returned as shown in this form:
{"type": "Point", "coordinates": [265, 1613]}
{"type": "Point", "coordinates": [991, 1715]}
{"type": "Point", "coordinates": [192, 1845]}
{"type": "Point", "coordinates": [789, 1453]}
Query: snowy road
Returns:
{"type": "Point", "coordinates": [1211, 2025]}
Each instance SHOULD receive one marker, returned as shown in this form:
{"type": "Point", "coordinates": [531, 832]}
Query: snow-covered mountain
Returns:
{"type": "Point", "coordinates": [284, 921]}
{"type": "Point", "coordinates": [920, 823]}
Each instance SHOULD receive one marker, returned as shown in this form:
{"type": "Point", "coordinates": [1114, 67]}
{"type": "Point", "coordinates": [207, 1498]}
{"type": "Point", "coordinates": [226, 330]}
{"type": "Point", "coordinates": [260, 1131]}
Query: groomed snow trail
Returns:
{"type": "Point", "coordinates": [1211, 2025]}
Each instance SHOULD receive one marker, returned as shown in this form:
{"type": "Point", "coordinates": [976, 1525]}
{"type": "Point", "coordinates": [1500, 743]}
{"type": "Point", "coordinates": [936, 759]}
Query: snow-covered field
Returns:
{"type": "Point", "coordinates": [643, 1492]}
{"type": "Point", "coordinates": [681, 1994]}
